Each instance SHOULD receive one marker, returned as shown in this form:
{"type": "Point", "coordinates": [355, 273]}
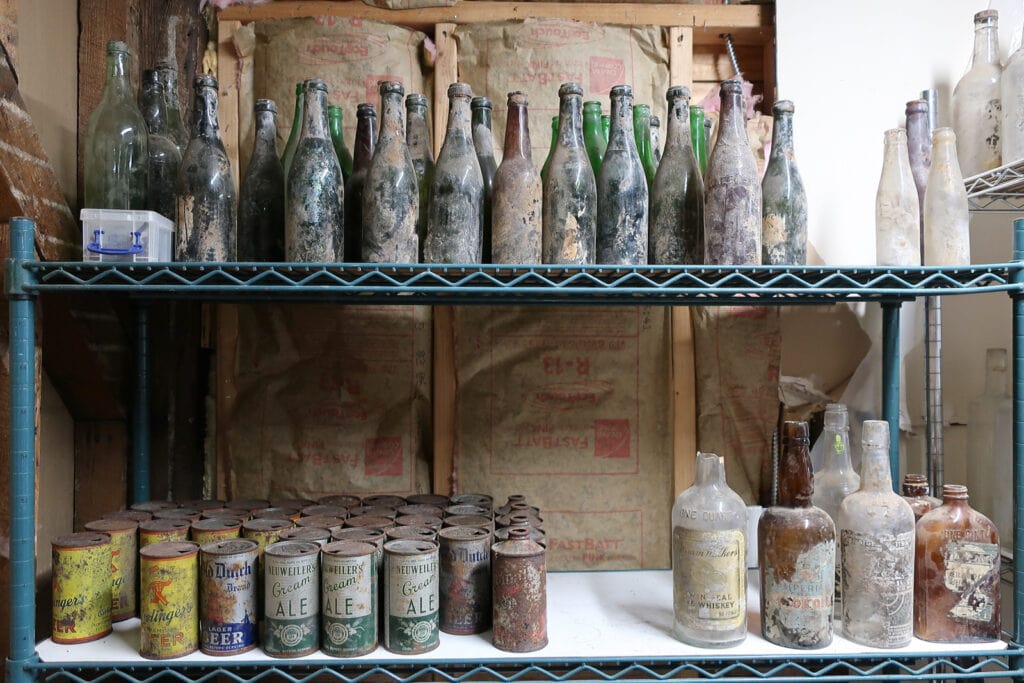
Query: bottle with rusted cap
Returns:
{"type": "Point", "coordinates": [520, 601]}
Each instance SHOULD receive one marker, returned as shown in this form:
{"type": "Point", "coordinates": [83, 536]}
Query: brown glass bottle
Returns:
{"type": "Point", "coordinates": [956, 573]}
{"type": "Point", "coordinates": [366, 135]}
{"type": "Point", "coordinates": [915, 492]}
{"type": "Point", "coordinates": [797, 554]}
{"type": "Point", "coordinates": [516, 203]}
{"type": "Point", "coordinates": [483, 141]}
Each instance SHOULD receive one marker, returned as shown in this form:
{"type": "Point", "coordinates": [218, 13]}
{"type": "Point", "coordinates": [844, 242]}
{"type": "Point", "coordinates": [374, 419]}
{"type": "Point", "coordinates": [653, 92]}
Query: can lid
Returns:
{"type": "Point", "coordinates": [178, 513]}
{"type": "Point", "coordinates": [322, 521]}
{"type": "Point", "coordinates": [292, 549]}
{"type": "Point", "coordinates": [344, 500]}
{"type": "Point", "coordinates": [294, 503]}
{"type": "Point", "coordinates": [153, 505]}
{"type": "Point", "coordinates": [349, 549]}
{"type": "Point", "coordinates": [248, 504]}
{"type": "Point", "coordinates": [217, 524]}
{"type": "Point", "coordinates": [424, 533]}
{"type": "Point", "coordinates": [305, 533]}
{"type": "Point", "coordinates": [266, 525]}
{"type": "Point", "coordinates": [464, 533]}
{"type": "Point", "coordinates": [228, 513]}
{"type": "Point", "coordinates": [234, 546]}
{"type": "Point", "coordinates": [519, 544]}
{"type": "Point", "coordinates": [479, 499]}
{"type": "Point", "coordinates": [321, 509]}
{"type": "Point", "coordinates": [370, 535]}
{"type": "Point", "coordinates": [384, 500]}
{"type": "Point", "coordinates": [83, 539]}
{"type": "Point", "coordinates": [373, 511]}
{"type": "Point", "coordinates": [169, 550]}
{"type": "Point", "coordinates": [432, 521]}
{"type": "Point", "coordinates": [112, 525]}
{"type": "Point", "coordinates": [162, 525]}
{"type": "Point", "coordinates": [409, 547]}
{"type": "Point", "coordinates": [467, 509]}
{"type": "Point", "coordinates": [203, 504]}
{"type": "Point", "coordinates": [134, 515]}
{"type": "Point", "coordinates": [468, 520]}
{"type": "Point", "coordinates": [276, 512]}
{"type": "Point", "coordinates": [421, 509]}
{"type": "Point", "coordinates": [370, 521]}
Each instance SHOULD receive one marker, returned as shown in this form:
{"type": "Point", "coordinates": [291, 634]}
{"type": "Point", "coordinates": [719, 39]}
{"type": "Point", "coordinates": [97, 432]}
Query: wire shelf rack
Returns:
{"type": "Point", "coordinates": [998, 190]}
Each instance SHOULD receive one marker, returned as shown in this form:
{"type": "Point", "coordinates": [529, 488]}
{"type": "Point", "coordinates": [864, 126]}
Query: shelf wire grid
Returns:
{"type": "Point", "coordinates": [998, 190]}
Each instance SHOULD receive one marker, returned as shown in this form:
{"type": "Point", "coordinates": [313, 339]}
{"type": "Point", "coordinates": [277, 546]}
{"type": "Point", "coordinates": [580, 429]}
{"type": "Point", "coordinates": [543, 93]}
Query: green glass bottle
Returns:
{"type": "Point", "coordinates": [642, 133]}
{"type": "Point", "coordinates": [334, 122]}
{"type": "Point", "coordinates": [293, 136]}
{"type": "Point", "coordinates": [554, 143]}
{"type": "Point", "coordinates": [606, 126]}
{"type": "Point", "coordinates": [593, 136]}
{"type": "Point", "coordinates": [698, 139]}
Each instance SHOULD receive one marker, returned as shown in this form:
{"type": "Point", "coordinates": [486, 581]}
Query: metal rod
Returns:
{"type": "Point", "coordinates": [891, 384]}
{"type": "Point", "coordinates": [934, 453]}
{"type": "Point", "coordinates": [140, 413]}
{"type": "Point", "coordinates": [1018, 438]}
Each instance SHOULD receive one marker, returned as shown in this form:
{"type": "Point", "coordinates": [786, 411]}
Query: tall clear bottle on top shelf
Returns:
{"type": "Point", "coordinates": [296, 132]}
{"type": "Point", "coordinates": [261, 196]}
{"type": "Point", "coordinates": [732, 190]}
{"type": "Point", "coordinates": [417, 137]}
{"type": "Point", "coordinates": [164, 157]}
{"type": "Point", "coordinates": [897, 203]}
{"type": "Point", "coordinates": [593, 136]}
{"type": "Point", "coordinates": [336, 123]}
{"type": "Point", "coordinates": [1011, 125]}
{"type": "Point", "coordinates": [989, 435]}
{"type": "Point", "coordinates": [915, 492]}
{"type": "Point", "coordinates": [168, 74]}
{"type": "Point", "coordinates": [677, 195]}
{"type": "Point", "coordinates": [642, 136]}
{"type": "Point", "coordinates": [314, 198]}
{"type": "Point", "coordinates": [570, 189]}
{"type": "Point", "coordinates": [876, 532]}
{"type": "Point", "coordinates": [116, 142]}
{"type": "Point", "coordinates": [783, 198]}
{"type": "Point", "coordinates": [365, 143]}
{"type": "Point", "coordinates": [483, 142]}
{"type": "Point", "coordinates": [698, 139]}
{"type": "Point", "coordinates": [206, 215]}
{"type": "Point", "coordinates": [622, 197]}
{"type": "Point", "coordinates": [709, 573]}
{"type": "Point", "coordinates": [977, 109]}
{"type": "Point", "coordinates": [517, 205]}
{"type": "Point", "coordinates": [391, 195]}
{"type": "Point", "coordinates": [947, 240]}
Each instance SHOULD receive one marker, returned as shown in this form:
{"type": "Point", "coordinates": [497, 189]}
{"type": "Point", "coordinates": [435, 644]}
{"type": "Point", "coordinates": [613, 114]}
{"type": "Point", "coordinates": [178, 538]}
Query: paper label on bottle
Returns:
{"type": "Point", "coordinates": [969, 573]}
{"type": "Point", "coordinates": [709, 577]}
{"type": "Point", "coordinates": [796, 605]}
{"type": "Point", "coordinates": [878, 584]}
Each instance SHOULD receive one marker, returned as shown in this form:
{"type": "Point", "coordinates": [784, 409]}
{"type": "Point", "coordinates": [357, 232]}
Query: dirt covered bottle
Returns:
{"type": "Point", "coordinates": [570, 189]}
{"type": "Point", "coordinates": [947, 239]}
{"type": "Point", "coordinates": [417, 136]}
{"type": "Point", "coordinates": [622, 197]}
{"type": "Point", "coordinates": [517, 201]}
{"type": "Point", "coordinates": [335, 121]}
{"type": "Point", "coordinates": [261, 196]}
{"type": "Point", "coordinates": [977, 103]}
{"type": "Point", "coordinates": [783, 198]}
{"type": "Point", "coordinates": [365, 142]}
{"type": "Point", "coordinates": [164, 156]}
{"type": "Point", "coordinates": [919, 151]}
{"type": "Point", "coordinates": [296, 132]}
{"type": "Point", "coordinates": [709, 584]}
{"type": "Point", "coordinates": [897, 206]}
{"type": "Point", "coordinates": [551, 149]}
{"type": "Point", "coordinates": [483, 142]}
{"type": "Point", "coordinates": [167, 72]}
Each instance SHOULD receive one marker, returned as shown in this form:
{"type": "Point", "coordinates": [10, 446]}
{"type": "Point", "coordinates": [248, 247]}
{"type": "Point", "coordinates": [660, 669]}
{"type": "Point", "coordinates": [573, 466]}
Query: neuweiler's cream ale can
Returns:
{"type": "Point", "coordinates": [227, 596]}
{"type": "Point", "coordinates": [291, 595]}
{"type": "Point", "coordinates": [81, 587]}
{"type": "Point", "coordinates": [169, 595]}
{"type": "Point", "coordinates": [411, 596]}
{"type": "Point", "coordinates": [348, 591]}
{"type": "Point", "coordinates": [124, 564]}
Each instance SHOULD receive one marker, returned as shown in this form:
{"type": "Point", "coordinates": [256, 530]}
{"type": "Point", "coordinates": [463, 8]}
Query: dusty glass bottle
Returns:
{"type": "Point", "coordinates": [570, 189]}
{"type": "Point", "coordinates": [168, 74]}
{"type": "Point", "coordinates": [365, 143]}
{"type": "Point", "coordinates": [697, 139]}
{"type": "Point", "coordinates": [517, 205]}
{"type": "Point", "coordinates": [296, 131]}
{"type": "Point", "coordinates": [206, 228]}
{"type": "Point", "coordinates": [919, 146]}
{"type": "Point", "coordinates": [551, 149]}
{"type": "Point", "coordinates": [483, 142]}
{"type": "Point", "coordinates": [732, 190]}
{"type": "Point", "coordinates": [876, 534]}
{"type": "Point", "coordinates": [261, 196]}
{"type": "Point", "coordinates": [956, 585]}
{"type": "Point", "coordinates": [314, 198]}
{"type": "Point", "coordinates": [622, 197]}
{"type": "Point", "coordinates": [656, 141]}
{"type": "Point", "coordinates": [593, 137]}
{"type": "Point", "coordinates": [977, 108]}
{"type": "Point", "coordinates": [164, 157]}
{"type": "Point", "coordinates": [116, 143]}
{"type": "Point", "coordinates": [391, 194]}
{"type": "Point", "coordinates": [796, 544]}
{"type": "Point", "coordinates": [783, 198]}
{"type": "Point", "coordinates": [709, 551]}
{"type": "Point", "coordinates": [915, 492]}
{"type": "Point", "coordinates": [335, 121]}
{"type": "Point", "coordinates": [991, 453]}
{"type": "Point", "coordinates": [946, 219]}
{"type": "Point", "coordinates": [642, 136]}
{"type": "Point", "coordinates": [417, 137]}
{"type": "Point", "coordinates": [897, 221]}
{"type": "Point", "coordinates": [677, 195]}
{"type": "Point", "coordinates": [606, 126]}
{"type": "Point", "coordinates": [1011, 97]}
{"type": "Point", "coordinates": [455, 220]}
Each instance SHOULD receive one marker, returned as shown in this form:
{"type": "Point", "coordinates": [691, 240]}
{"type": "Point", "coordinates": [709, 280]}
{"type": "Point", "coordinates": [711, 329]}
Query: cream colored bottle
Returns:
{"type": "Point", "coordinates": [947, 239]}
{"type": "Point", "coordinates": [897, 213]}
{"type": "Point", "coordinates": [977, 108]}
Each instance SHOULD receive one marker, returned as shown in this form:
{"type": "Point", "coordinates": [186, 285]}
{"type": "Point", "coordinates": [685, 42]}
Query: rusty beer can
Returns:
{"type": "Point", "coordinates": [537, 535]}
{"type": "Point", "coordinates": [519, 578]}
{"type": "Point", "coordinates": [218, 529]}
{"type": "Point", "coordinates": [384, 500]}
{"type": "Point", "coordinates": [421, 509]}
{"type": "Point", "coordinates": [479, 499]}
{"type": "Point", "coordinates": [162, 531]}
{"type": "Point", "coordinates": [248, 504]}
{"type": "Point", "coordinates": [321, 509]}
{"type": "Point", "coordinates": [124, 564]}
{"type": "Point", "coordinates": [321, 522]}
{"type": "Point", "coordinates": [291, 593]}
{"type": "Point", "coordinates": [344, 500]}
{"type": "Point", "coordinates": [433, 499]}
{"type": "Point", "coordinates": [306, 533]}
{"type": "Point", "coordinates": [411, 597]}
{"type": "Point", "coordinates": [81, 587]}
{"type": "Point", "coordinates": [348, 576]}
{"type": "Point", "coordinates": [240, 514]}
{"type": "Point", "coordinates": [138, 516]}
{"type": "Point", "coordinates": [153, 505]}
{"type": "Point", "coordinates": [465, 580]}
{"type": "Point", "coordinates": [433, 522]}
{"type": "Point", "coordinates": [413, 533]}
{"type": "Point", "coordinates": [227, 596]}
{"type": "Point", "coordinates": [170, 592]}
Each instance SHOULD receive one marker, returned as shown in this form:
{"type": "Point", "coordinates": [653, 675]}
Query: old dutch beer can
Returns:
{"type": "Point", "coordinates": [465, 580]}
{"type": "Point", "coordinates": [227, 596]}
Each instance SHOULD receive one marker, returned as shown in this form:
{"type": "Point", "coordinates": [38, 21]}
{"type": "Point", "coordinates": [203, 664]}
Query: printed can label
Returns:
{"type": "Point", "coordinates": [291, 603]}
{"type": "Point", "coordinates": [170, 587]}
{"type": "Point", "coordinates": [411, 599]}
{"type": "Point", "coordinates": [710, 578]}
{"type": "Point", "coordinates": [349, 604]}
{"type": "Point", "coordinates": [227, 592]}
{"type": "Point", "coordinates": [81, 588]}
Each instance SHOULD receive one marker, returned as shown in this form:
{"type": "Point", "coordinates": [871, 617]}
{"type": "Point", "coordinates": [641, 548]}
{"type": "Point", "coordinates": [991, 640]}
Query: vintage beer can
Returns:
{"type": "Point", "coordinates": [321, 509]}
{"type": "Point", "coordinates": [344, 500]}
{"type": "Point", "coordinates": [204, 504]}
{"type": "Point", "coordinates": [306, 533]}
{"type": "Point", "coordinates": [430, 521]}
{"type": "Point", "coordinates": [291, 593]}
{"type": "Point", "coordinates": [411, 597]}
{"type": "Point", "coordinates": [372, 511]}
{"type": "Point", "coordinates": [217, 529]}
{"type": "Point", "coordinates": [384, 500]}
{"type": "Point", "coordinates": [241, 514]}
{"type": "Point", "coordinates": [348, 574]}
{"type": "Point", "coordinates": [81, 587]}
{"type": "Point", "coordinates": [479, 499]}
{"type": "Point", "coordinates": [519, 579]}
{"type": "Point", "coordinates": [227, 596]}
{"type": "Point", "coordinates": [248, 504]}
{"type": "Point", "coordinates": [420, 509]}
{"type": "Point", "coordinates": [432, 499]}
{"type": "Point", "coordinates": [412, 533]}
{"type": "Point", "coordinates": [536, 535]}
{"type": "Point", "coordinates": [168, 599]}
{"type": "Point", "coordinates": [290, 514]}
{"type": "Point", "coordinates": [187, 514]}
{"type": "Point", "coordinates": [153, 505]}
{"type": "Point", "coordinates": [264, 531]}
{"type": "Point", "coordinates": [466, 509]}
{"type": "Point", "coordinates": [163, 531]}
{"type": "Point", "coordinates": [321, 522]}
{"type": "Point", "coordinates": [138, 516]}
{"type": "Point", "coordinates": [465, 586]}
{"type": "Point", "coordinates": [124, 565]}
{"type": "Point", "coordinates": [479, 521]}
{"type": "Point", "coordinates": [370, 522]}
{"type": "Point", "coordinates": [519, 519]}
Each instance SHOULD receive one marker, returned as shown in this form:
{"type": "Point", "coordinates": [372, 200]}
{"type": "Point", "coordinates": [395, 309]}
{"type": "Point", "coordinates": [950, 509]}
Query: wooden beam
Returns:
{"type": "Point", "coordinates": [680, 55]}
{"type": "Point", "coordinates": [446, 72]}
{"type": "Point", "coordinates": [101, 455]}
{"type": "Point", "coordinates": [228, 80]}
{"type": "Point", "coordinates": [445, 387]}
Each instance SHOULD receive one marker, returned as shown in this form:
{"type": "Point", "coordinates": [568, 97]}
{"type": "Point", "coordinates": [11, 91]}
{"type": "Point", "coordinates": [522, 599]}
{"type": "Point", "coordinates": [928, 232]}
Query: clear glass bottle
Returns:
{"type": "Point", "coordinates": [622, 197]}
{"type": "Point", "coordinates": [164, 157]}
{"type": "Point", "coordinates": [206, 218]}
{"type": "Point", "coordinates": [697, 138]}
{"type": "Point", "coordinates": [296, 131]}
{"type": "Point", "coordinates": [483, 142]}
{"type": "Point", "coordinates": [593, 137]}
{"type": "Point", "coordinates": [365, 143]}
{"type": "Point", "coordinates": [876, 532]}
{"type": "Point", "coordinates": [517, 201]}
{"type": "Point", "coordinates": [642, 136]}
{"type": "Point", "coordinates": [991, 451]}
{"type": "Point", "coordinates": [551, 149]}
{"type": "Point", "coordinates": [335, 120]}
{"type": "Point", "coordinates": [656, 141]}
{"type": "Point", "coordinates": [976, 100]}
{"type": "Point", "coordinates": [417, 137]}
{"type": "Point", "coordinates": [709, 572]}
{"type": "Point", "coordinates": [116, 165]}
{"type": "Point", "coordinates": [1011, 97]}
{"type": "Point", "coordinates": [947, 240]}
{"type": "Point", "coordinates": [261, 196]}
{"type": "Point", "coordinates": [897, 221]}
{"type": "Point", "coordinates": [956, 582]}
{"type": "Point", "coordinates": [168, 74]}
{"type": "Point", "coordinates": [783, 198]}
{"type": "Point", "coordinates": [915, 492]}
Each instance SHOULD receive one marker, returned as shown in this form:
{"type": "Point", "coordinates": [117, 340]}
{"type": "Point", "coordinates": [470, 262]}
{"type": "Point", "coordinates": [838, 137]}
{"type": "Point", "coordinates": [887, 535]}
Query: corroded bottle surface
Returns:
{"type": "Point", "coordinates": [947, 240]}
{"type": "Point", "coordinates": [261, 196]}
{"type": "Point", "coordinates": [168, 75]}
{"type": "Point", "coordinates": [483, 142]}
{"type": "Point", "coordinates": [417, 137]}
{"type": "Point", "coordinates": [335, 121]}
{"type": "Point", "coordinates": [622, 190]}
{"type": "Point", "coordinates": [977, 107]}
{"type": "Point", "coordinates": [391, 195]}
{"type": "Point", "coordinates": [915, 492]}
{"type": "Point", "coordinates": [796, 553]}
{"type": "Point", "coordinates": [164, 156]}
{"type": "Point", "coordinates": [570, 189]}
{"type": "Point", "coordinates": [956, 590]}
{"type": "Point", "coordinates": [206, 228]}
{"type": "Point", "coordinates": [455, 219]}
{"type": "Point", "coordinates": [677, 195]}
{"type": "Point", "coordinates": [296, 132]}
{"type": "Point", "coordinates": [732, 190]}
{"type": "Point", "coordinates": [593, 137]}
{"type": "Point", "coordinates": [516, 204]}
{"type": "Point", "coordinates": [366, 137]}
{"type": "Point", "coordinates": [783, 198]}
{"type": "Point", "coordinates": [897, 221]}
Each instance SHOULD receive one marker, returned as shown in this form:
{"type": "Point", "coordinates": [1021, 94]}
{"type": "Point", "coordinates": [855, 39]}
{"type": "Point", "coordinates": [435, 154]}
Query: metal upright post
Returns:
{"type": "Point", "coordinates": [933, 354]}
{"type": "Point", "coordinates": [1018, 434]}
{"type": "Point", "coordinates": [140, 411]}
{"type": "Point", "coordinates": [891, 383]}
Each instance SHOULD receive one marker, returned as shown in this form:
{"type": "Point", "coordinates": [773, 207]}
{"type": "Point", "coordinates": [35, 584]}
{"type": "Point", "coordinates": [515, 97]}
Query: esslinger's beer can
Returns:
{"type": "Point", "coordinates": [264, 531]}
{"type": "Point", "coordinates": [411, 597]}
{"type": "Point", "coordinates": [519, 578]}
{"type": "Point", "coordinates": [81, 587]}
{"type": "Point", "coordinates": [227, 596]}
{"type": "Point", "coordinates": [124, 564]}
{"type": "Point", "coordinates": [213, 530]}
{"type": "Point", "coordinates": [162, 531]}
{"type": "Point", "coordinates": [465, 586]}
{"type": "Point", "coordinates": [291, 571]}
{"type": "Point", "coordinates": [349, 592]}
{"type": "Point", "coordinates": [170, 592]}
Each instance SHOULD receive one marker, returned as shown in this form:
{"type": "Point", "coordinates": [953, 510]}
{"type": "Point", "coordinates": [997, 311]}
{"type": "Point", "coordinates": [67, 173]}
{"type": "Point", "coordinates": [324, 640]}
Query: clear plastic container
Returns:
{"type": "Point", "coordinates": [113, 235]}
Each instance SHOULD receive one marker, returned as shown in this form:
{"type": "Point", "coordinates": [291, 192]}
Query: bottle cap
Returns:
{"type": "Point", "coordinates": [986, 16]}
{"type": "Point", "coordinates": [944, 134]}
{"type": "Point", "coordinates": [481, 103]}
{"type": "Point", "coordinates": [416, 99]}
{"type": "Point", "coordinates": [621, 91]}
{"type": "Point", "coordinates": [266, 105]}
{"type": "Point", "coordinates": [315, 84]}
{"type": "Point", "coordinates": [917, 107]}
{"type": "Point", "coordinates": [205, 81]}
{"type": "Point", "coordinates": [390, 87]}
{"type": "Point", "coordinates": [676, 92]}
{"type": "Point", "coordinates": [732, 86]}
{"type": "Point", "coordinates": [783, 107]}
{"type": "Point", "coordinates": [570, 89]}
{"type": "Point", "coordinates": [518, 98]}
{"type": "Point", "coordinates": [117, 46]}
{"type": "Point", "coordinates": [459, 90]}
{"type": "Point", "coordinates": [655, 122]}
{"type": "Point", "coordinates": [875, 434]}
{"type": "Point", "coordinates": [954, 491]}
{"type": "Point", "coordinates": [592, 106]}
{"type": "Point", "coordinates": [150, 77]}
{"type": "Point", "coordinates": [794, 431]}
{"type": "Point", "coordinates": [836, 416]}
{"type": "Point", "coordinates": [365, 109]}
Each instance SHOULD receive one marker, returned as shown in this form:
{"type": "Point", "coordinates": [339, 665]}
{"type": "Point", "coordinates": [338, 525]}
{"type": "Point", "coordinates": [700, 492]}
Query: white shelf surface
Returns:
{"type": "Point", "coordinates": [610, 615]}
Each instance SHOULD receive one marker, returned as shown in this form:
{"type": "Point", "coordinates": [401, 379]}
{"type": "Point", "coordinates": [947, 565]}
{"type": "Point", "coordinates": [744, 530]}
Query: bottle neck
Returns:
{"type": "Point", "coordinates": [416, 127]}
{"type": "Point", "coordinates": [204, 113]}
{"type": "Point", "coordinates": [482, 138]}
{"type": "Point", "coordinates": [392, 118]}
{"type": "Point", "coordinates": [710, 470]}
{"type": "Point", "coordinates": [314, 116]}
{"type": "Point", "coordinates": [266, 134]}
{"type": "Point", "coordinates": [517, 133]}
{"type": "Point", "coordinates": [943, 150]}
{"type": "Point", "coordinates": [875, 472]}
{"type": "Point", "coordinates": [995, 381]}
{"type": "Point", "coordinates": [796, 486]}
{"type": "Point", "coordinates": [837, 449]}
{"type": "Point", "coordinates": [782, 135]}
{"type": "Point", "coordinates": [459, 118]}
{"type": "Point", "coordinates": [915, 489]}
{"type": "Point", "coordinates": [169, 82]}
{"type": "Point", "coordinates": [895, 152]}
{"type": "Point", "coordinates": [570, 132]}
{"type": "Point", "coordinates": [620, 136]}
{"type": "Point", "coordinates": [118, 84]}
{"type": "Point", "coordinates": [364, 144]}
{"type": "Point", "coordinates": [733, 124]}
{"type": "Point", "coordinates": [678, 131]}
{"type": "Point", "coordinates": [152, 103]}
{"type": "Point", "coordinates": [986, 45]}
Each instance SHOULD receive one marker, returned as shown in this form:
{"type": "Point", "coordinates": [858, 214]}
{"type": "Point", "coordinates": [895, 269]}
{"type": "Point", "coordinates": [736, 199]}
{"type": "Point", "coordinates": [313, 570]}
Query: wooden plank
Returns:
{"type": "Point", "coordinates": [712, 63]}
{"type": "Point", "coordinates": [680, 55]}
{"type": "Point", "coordinates": [101, 455]}
{"type": "Point", "coordinates": [768, 69]}
{"type": "Point", "coordinates": [445, 388]}
{"type": "Point", "coordinates": [446, 72]}
{"type": "Point", "coordinates": [226, 393]}
{"type": "Point", "coordinates": [228, 79]}
{"type": "Point", "coordinates": [684, 399]}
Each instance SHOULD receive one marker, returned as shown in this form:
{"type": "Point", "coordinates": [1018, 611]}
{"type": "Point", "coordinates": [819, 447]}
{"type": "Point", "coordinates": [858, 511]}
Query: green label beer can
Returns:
{"type": "Point", "coordinates": [291, 598]}
{"type": "Point", "coordinates": [411, 598]}
{"type": "Point", "coordinates": [348, 582]}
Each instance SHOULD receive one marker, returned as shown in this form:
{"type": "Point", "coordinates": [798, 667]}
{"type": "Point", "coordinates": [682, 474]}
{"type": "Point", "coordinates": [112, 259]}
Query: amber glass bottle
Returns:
{"type": "Point", "coordinates": [916, 492]}
{"type": "Point", "coordinates": [516, 215]}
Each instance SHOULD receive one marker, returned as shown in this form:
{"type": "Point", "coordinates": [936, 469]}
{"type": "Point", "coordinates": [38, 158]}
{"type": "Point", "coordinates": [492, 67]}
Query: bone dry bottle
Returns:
{"type": "Point", "coordinates": [517, 200]}
{"type": "Point", "coordinates": [622, 190]}
{"type": "Point", "coordinates": [365, 142]}
{"type": "Point", "coordinates": [261, 197]}
{"type": "Point", "coordinates": [483, 142]}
